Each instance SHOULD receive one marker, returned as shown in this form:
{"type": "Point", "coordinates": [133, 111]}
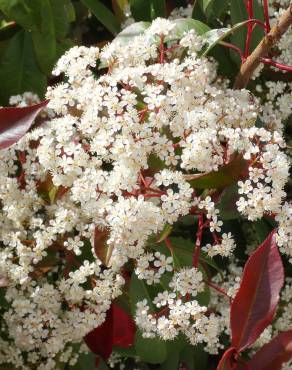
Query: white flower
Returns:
{"type": "Point", "coordinates": [163, 263]}
{"type": "Point", "coordinates": [187, 281]}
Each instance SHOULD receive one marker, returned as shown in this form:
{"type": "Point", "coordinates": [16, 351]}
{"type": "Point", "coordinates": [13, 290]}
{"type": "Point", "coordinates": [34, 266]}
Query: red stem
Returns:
{"type": "Point", "coordinates": [198, 240]}
{"type": "Point", "coordinates": [218, 289]}
{"type": "Point", "coordinates": [258, 22]}
{"type": "Point", "coordinates": [266, 14]}
{"type": "Point", "coordinates": [169, 246]}
{"type": "Point", "coordinates": [235, 48]}
{"type": "Point", "coordinates": [143, 180]}
{"type": "Point", "coordinates": [165, 310]}
{"type": "Point", "coordinates": [271, 62]}
{"type": "Point", "coordinates": [249, 8]}
{"type": "Point", "coordinates": [161, 49]}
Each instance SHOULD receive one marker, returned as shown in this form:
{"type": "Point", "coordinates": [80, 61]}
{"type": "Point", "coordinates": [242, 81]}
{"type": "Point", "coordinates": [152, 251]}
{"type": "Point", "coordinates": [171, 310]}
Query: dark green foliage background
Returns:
{"type": "Point", "coordinates": [35, 33]}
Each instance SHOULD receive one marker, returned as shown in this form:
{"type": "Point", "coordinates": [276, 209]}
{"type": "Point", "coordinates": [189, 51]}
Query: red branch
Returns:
{"type": "Point", "coordinates": [266, 15]}
{"type": "Point", "coordinates": [161, 49]}
{"type": "Point", "coordinates": [235, 48]}
{"type": "Point", "coordinates": [281, 66]}
{"type": "Point", "coordinates": [169, 245]}
{"type": "Point", "coordinates": [218, 289]}
{"type": "Point", "coordinates": [198, 240]}
{"type": "Point", "coordinates": [250, 26]}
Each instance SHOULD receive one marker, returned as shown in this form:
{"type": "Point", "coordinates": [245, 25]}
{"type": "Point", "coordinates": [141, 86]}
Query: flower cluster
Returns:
{"type": "Point", "coordinates": [134, 124]}
{"type": "Point", "coordinates": [180, 315]}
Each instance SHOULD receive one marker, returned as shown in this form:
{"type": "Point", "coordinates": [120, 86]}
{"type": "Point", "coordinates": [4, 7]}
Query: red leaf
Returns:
{"type": "Point", "coordinates": [15, 122]}
{"type": "Point", "coordinates": [124, 328]}
{"type": "Point", "coordinates": [255, 303]}
{"type": "Point", "coordinates": [227, 361]}
{"type": "Point", "coordinates": [117, 330]}
{"type": "Point", "coordinates": [100, 340]}
{"type": "Point", "coordinates": [274, 354]}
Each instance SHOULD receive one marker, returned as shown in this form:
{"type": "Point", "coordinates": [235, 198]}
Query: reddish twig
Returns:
{"type": "Point", "coordinates": [262, 50]}
{"type": "Point", "coordinates": [250, 26]}
{"type": "Point", "coordinates": [281, 66]}
{"type": "Point", "coordinates": [169, 246]}
{"type": "Point", "coordinates": [198, 240]}
{"type": "Point", "coordinates": [266, 15]}
{"type": "Point", "coordinates": [256, 21]}
{"type": "Point", "coordinates": [235, 48]}
{"type": "Point", "coordinates": [160, 313]}
{"type": "Point", "coordinates": [161, 50]}
{"type": "Point", "coordinates": [218, 289]}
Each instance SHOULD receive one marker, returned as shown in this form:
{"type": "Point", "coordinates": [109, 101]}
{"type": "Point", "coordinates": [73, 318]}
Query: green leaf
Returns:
{"type": "Point", "coordinates": [101, 365]}
{"type": "Point", "coordinates": [63, 15]}
{"type": "Point", "coordinates": [174, 348]}
{"type": "Point", "coordinates": [183, 250]}
{"type": "Point", "coordinates": [201, 357]}
{"type": "Point", "coordinates": [135, 29]}
{"type": "Point", "coordinates": [226, 65]}
{"type": "Point", "coordinates": [159, 8]}
{"type": "Point", "coordinates": [165, 233]}
{"type": "Point", "coordinates": [86, 361]}
{"type": "Point", "coordinates": [187, 357]}
{"type": "Point", "coordinates": [141, 9]}
{"type": "Point", "coordinates": [186, 24]}
{"type": "Point", "coordinates": [213, 9]}
{"type": "Point", "coordinates": [238, 14]}
{"type": "Point", "coordinates": [195, 358]}
{"type": "Point", "coordinates": [17, 10]}
{"type": "Point", "coordinates": [63, 46]}
{"type": "Point", "coordinates": [103, 14]}
{"type": "Point", "coordinates": [227, 203]}
{"type": "Point", "coordinates": [19, 71]}
{"type": "Point", "coordinates": [172, 362]}
{"type": "Point", "coordinates": [203, 298]}
{"type": "Point", "coordinates": [215, 36]}
{"type": "Point", "coordinates": [151, 350]}
{"type": "Point", "coordinates": [197, 12]}
{"type": "Point", "coordinates": [8, 30]}
{"type": "Point", "coordinates": [225, 176]}
{"type": "Point", "coordinates": [258, 33]}
{"type": "Point", "coordinates": [263, 229]}
{"type": "Point", "coordinates": [205, 4]}
{"type": "Point", "coordinates": [119, 9]}
{"type": "Point", "coordinates": [125, 352]}
{"type": "Point", "coordinates": [47, 20]}
{"type": "Point", "coordinates": [138, 292]}
{"type": "Point", "coordinates": [44, 38]}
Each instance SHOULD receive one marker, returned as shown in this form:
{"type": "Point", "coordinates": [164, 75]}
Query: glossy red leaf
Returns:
{"type": "Point", "coordinates": [16, 121]}
{"type": "Point", "coordinates": [274, 354]}
{"type": "Point", "coordinates": [100, 340]}
{"type": "Point", "coordinates": [124, 328]}
{"type": "Point", "coordinates": [227, 361]}
{"type": "Point", "coordinates": [117, 330]}
{"type": "Point", "coordinates": [255, 303]}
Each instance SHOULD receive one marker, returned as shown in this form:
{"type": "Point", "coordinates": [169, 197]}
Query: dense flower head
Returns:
{"type": "Point", "coordinates": [133, 122]}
